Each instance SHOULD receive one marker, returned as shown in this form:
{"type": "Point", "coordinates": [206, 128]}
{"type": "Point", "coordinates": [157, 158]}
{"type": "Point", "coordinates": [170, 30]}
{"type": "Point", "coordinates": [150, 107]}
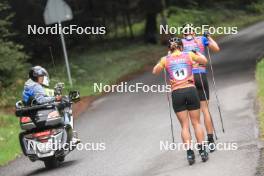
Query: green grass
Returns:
{"type": "Point", "coordinates": [12, 94]}
{"type": "Point", "coordinates": [9, 144]}
{"type": "Point", "coordinates": [137, 29]}
{"type": "Point", "coordinates": [260, 82]}
{"type": "Point", "coordinates": [107, 67]}
{"type": "Point", "coordinates": [212, 17]}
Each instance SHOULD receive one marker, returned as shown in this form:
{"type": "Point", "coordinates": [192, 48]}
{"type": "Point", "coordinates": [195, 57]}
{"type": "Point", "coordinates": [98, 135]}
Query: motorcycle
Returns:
{"type": "Point", "coordinates": [45, 134]}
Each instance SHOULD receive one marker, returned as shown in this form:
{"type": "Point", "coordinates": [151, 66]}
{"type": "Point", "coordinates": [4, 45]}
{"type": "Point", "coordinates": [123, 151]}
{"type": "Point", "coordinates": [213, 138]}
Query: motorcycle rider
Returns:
{"type": "Point", "coordinates": [34, 87]}
{"type": "Point", "coordinates": [35, 92]}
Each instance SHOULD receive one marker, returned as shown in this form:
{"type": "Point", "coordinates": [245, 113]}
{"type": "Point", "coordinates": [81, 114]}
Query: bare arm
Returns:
{"type": "Point", "coordinates": [159, 66]}
{"type": "Point", "coordinates": [198, 57]}
{"type": "Point", "coordinates": [213, 45]}
{"type": "Point", "coordinates": [157, 69]}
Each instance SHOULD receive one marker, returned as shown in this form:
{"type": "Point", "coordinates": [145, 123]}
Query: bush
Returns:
{"type": "Point", "coordinates": [12, 63]}
{"type": "Point", "coordinates": [256, 7]}
{"type": "Point", "coordinates": [12, 58]}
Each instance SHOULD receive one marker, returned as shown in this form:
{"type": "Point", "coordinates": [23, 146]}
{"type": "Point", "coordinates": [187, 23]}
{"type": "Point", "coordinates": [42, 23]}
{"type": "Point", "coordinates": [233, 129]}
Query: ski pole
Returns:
{"type": "Point", "coordinates": [207, 103]}
{"type": "Point", "coordinates": [215, 90]}
{"type": "Point", "coordinates": [169, 105]}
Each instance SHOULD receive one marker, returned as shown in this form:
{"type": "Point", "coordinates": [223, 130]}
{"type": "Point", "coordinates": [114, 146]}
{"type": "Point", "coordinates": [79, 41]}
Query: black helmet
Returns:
{"type": "Point", "coordinates": [188, 28]}
{"type": "Point", "coordinates": [177, 42]}
{"type": "Point", "coordinates": [37, 71]}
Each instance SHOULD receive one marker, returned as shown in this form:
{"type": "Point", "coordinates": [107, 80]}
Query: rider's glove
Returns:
{"type": "Point", "coordinates": [58, 98]}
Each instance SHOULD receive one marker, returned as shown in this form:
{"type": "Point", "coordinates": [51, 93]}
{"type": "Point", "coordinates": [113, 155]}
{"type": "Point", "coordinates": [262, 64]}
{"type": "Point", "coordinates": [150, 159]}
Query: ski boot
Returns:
{"type": "Point", "coordinates": [211, 143]}
{"type": "Point", "coordinates": [190, 157]}
{"type": "Point", "coordinates": [203, 153]}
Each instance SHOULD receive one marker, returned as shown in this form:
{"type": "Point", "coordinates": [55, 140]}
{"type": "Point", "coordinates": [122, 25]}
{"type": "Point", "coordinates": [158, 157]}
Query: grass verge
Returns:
{"type": "Point", "coordinates": [213, 17]}
{"type": "Point", "coordinates": [260, 82]}
{"type": "Point", "coordinates": [9, 144]}
{"type": "Point", "coordinates": [107, 67]}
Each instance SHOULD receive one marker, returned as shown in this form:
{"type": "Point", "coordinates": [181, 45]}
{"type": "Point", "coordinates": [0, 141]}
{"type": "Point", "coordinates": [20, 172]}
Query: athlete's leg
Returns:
{"type": "Point", "coordinates": [202, 86]}
{"type": "Point", "coordinates": [195, 119]}
{"type": "Point", "coordinates": [208, 125]}
{"type": "Point", "coordinates": [207, 117]}
{"type": "Point", "coordinates": [186, 136]}
{"type": "Point", "coordinates": [184, 121]}
{"type": "Point", "coordinates": [179, 106]}
{"type": "Point", "coordinates": [193, 106]}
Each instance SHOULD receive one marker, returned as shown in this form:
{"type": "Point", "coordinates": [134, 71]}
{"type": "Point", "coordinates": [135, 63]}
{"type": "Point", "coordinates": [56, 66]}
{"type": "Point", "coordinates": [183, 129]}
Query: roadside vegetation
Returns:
{"type": "Point", "coordinates": [105, 62]}
{"type": "Point", "coordinates": [106, 65]}
{"type": "Point", "coordinates": [9, 144]}
{"type": "Point", "coordinates": [110, 59]}
{"type": "Point", "coordinates": [260, 82]}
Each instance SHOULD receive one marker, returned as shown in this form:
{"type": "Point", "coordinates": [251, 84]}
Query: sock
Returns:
{"type": "Point", "coordinates": [199, 146]}
{"type": "Point", "coordinates": [210, 137]}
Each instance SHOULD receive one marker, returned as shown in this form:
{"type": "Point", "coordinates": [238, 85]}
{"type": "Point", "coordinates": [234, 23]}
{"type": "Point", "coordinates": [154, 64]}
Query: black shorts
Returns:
{"type": "Point", "coordinates": [185, 99]}
{"type": "Point", "coordinates": [202, 86]}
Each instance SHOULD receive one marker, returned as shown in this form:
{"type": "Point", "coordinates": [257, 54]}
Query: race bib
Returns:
{"type": "Point", "coordinates": [180, 74]}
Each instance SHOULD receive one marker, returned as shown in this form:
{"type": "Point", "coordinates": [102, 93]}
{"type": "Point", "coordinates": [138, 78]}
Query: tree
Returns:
{"type": "Point", "coordinates": [12, 58]}
{"type": "Point", "coordinates": [151, 9]}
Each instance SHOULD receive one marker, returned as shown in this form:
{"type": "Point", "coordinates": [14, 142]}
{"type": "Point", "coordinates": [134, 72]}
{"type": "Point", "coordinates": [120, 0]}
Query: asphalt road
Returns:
{"type": "Point", "coordinates": [133, 124]}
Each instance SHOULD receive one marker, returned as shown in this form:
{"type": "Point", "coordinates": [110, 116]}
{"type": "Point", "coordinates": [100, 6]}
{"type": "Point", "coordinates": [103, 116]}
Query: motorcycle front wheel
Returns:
{"type": "Point", "coordinates": [51, 162]}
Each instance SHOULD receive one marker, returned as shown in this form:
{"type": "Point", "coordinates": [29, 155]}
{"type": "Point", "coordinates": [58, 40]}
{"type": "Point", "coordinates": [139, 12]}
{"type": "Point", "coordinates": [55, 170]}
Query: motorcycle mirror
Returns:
{"type": "Point", "coordinates": [58, 88]}
{"type": "Point", "coordinates": [74, 96]}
